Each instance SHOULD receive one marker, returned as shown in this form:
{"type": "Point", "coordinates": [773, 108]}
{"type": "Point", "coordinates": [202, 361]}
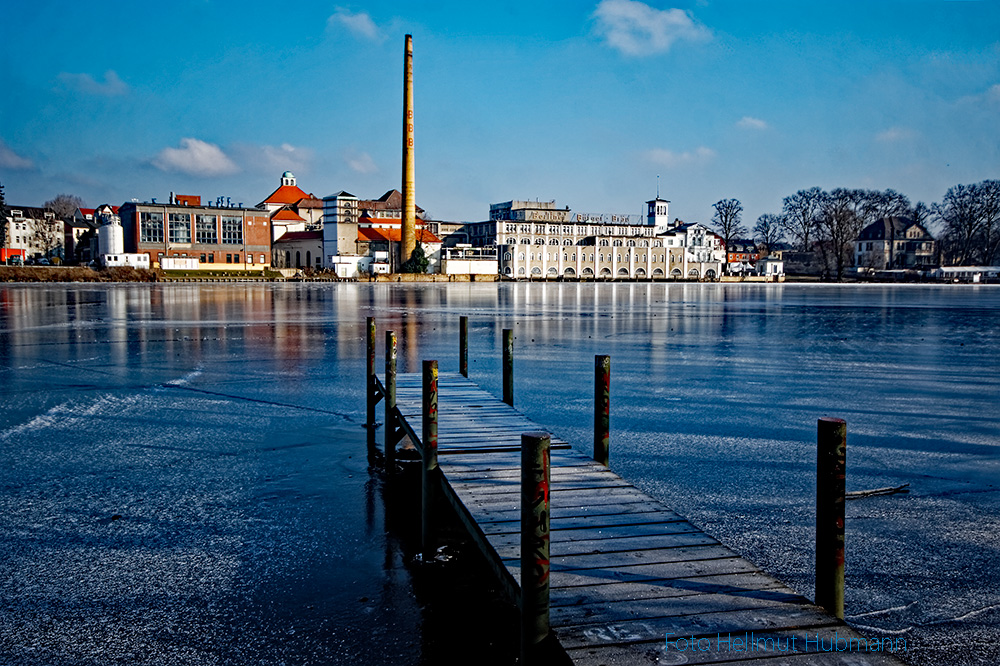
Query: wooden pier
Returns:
{"type": "Point", "coordinates": [628, 581]}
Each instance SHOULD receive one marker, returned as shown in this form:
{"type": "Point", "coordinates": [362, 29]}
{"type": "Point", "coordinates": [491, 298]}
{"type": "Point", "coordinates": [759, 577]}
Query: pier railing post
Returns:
{"type": "Point", "coordinates": [602, 408]}
{"type": "Point", "coordinates": [429, 441]}
{"type": "Point", "coordinates": [463, 346]}
{"type": "Point", "coordinates": [535, 512]}
{"type": "Point", "coordinates": [508, 366]}
{"type": "Point", "coordinates": [831, 466]}
{"type": "Point", "coordinates": [370, 391]}
{"type": "Point", "coordinates": [390, 402]}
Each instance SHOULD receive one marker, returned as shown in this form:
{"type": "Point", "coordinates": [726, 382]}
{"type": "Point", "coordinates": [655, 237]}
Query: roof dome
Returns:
{"type": "Point", "coordinates": [288, 174]}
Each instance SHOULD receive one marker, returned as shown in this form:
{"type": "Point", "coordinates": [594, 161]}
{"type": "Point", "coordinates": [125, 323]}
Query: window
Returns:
{"type": "Point", "coordinates": [232, 230]}
{"type": "Point", "coordinates": [150, 227]}
{"type": "Point", "coordinates": [205, 230]}
{"type": "Point", "coordinates": [211, 258]}
{"type": "Point", "coordinates": [180, 227]}
{"type": "Point", "coordinates": [202, 259]}
{"type": "Point", "coordinates": [263, 259]}
{"type": "Point", "coordinates": [250, 258]}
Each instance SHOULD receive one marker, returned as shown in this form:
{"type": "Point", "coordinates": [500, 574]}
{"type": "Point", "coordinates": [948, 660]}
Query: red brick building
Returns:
{"type": "Point", "coordinates": [220, 238]}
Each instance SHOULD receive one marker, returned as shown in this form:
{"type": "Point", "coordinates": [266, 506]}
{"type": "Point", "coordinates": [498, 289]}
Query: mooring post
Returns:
{"type": "Point", "coordinates": [535, 478]}
{"type": "Point", "coordinates": [508, 366]}
{"type": "Point", "coordinates": [463, 346]}
{"type": "Point", "coordinates": [429, 441]}
{"type": "Point", "coordinates": [370, 387]}
{"type": "Point", "coordinates": [602, 408]}
{"type": "Point", "coordinates": [831, 466]}
{"type": "Point", "coordinates": [390, 402]}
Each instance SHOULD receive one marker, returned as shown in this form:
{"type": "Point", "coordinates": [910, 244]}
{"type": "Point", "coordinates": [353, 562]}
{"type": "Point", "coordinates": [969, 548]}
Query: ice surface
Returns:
{"type": "Point", "coordinates": [221, 423]}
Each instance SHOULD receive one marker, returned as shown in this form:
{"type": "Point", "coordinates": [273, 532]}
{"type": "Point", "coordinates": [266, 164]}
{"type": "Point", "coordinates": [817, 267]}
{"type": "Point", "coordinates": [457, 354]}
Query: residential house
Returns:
{"type": "Point", "coordinates": [893, 243]}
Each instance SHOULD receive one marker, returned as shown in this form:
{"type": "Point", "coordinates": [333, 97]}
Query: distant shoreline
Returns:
{"type": "Point", "coordinates": [83, 274]}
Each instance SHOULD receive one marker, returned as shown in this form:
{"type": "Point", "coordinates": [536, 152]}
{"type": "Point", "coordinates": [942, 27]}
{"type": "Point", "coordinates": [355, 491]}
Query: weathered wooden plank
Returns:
{"type": "Point", "coordinates": [625, 570]}
{"type": "Point", "coordinates": [769, 648]}
{"type": "Point", "coordinates": [586, 522]}
{"type": "Point", "coordinates": [674, 587]}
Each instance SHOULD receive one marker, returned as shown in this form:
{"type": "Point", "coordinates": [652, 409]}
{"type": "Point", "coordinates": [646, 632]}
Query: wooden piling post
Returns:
{"type": "Point", "coordinates": [831, 466]}
{"type": "Point", "coordinates": [429, 441]}
{"type": "Point", "coordinates": [370, 390]}
{"type": "Point", "coordinates": [535, 512]}
{"type": "Point", "coordinates": [390, 402]}
{"type": "Point", "coordinates": [463, 346]}
{"type": "Point", "coordinates": [508, 366]}
{"type": "Point", "coordinates": [602, 408]}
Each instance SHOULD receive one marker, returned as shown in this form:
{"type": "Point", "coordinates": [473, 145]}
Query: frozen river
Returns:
{"type": "Point", "coordinates": [184, 479]}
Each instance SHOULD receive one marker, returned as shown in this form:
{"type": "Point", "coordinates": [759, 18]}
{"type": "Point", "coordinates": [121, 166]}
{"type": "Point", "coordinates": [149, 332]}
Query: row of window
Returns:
{"type": "Point", "coordinates": [604, 242]}
{"type": "Point", "coordinates": [553, 256]}
{"type": "Point", "coordinates": [606, 272]}
{"type": "Point", "coordinates": [179, 228]}
{"type": "Point", "coordinates": [587, 230]}
{"type": "Point", "coordinates": [209, 258]}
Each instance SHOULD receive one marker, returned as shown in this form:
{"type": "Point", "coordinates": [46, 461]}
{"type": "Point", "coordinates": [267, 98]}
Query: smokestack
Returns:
{"type": "Point", "coordinates": [408, 232]}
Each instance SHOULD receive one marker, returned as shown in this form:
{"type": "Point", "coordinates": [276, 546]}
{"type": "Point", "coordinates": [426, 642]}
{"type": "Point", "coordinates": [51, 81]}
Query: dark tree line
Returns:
{"type": "Point", "coordinates": [970, 222]}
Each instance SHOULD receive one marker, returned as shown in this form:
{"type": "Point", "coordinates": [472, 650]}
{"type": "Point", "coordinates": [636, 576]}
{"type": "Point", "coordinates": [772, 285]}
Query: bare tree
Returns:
{"type": "Point", "coordinates": [727, 219]}
{"type": "Point", "coordinates": [799, 218]}
{"type": "Point", "coordinates": [768, 232]}
{"type": "Point", "coordinates": [840, 221]}
{"type": "Point", "coordinates": [959, 216]}
{"type": "Point", "coordinates": [988, 193]}
{"type": "Point", "coordinates": [64, 205]}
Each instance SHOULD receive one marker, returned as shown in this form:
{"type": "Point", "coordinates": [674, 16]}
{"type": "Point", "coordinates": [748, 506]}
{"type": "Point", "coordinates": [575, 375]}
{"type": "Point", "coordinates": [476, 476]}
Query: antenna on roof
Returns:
{"type": "Point", "coordinates": [657, 186]}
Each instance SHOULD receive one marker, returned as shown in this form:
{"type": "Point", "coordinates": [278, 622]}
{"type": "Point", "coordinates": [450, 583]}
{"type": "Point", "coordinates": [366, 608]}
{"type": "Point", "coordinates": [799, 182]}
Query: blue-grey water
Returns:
{"type": "Point", "coordinates": [184, 477]}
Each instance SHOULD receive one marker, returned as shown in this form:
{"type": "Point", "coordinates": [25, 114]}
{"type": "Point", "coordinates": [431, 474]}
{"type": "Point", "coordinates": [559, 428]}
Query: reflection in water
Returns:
{"type": "Point", "coordinates": [715, 393]}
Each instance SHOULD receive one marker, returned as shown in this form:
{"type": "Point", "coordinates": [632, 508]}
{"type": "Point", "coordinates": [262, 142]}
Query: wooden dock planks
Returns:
{"type": "Point", "coordinates": [625, 570]}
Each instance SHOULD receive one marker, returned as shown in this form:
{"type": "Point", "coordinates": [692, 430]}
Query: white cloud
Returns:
{"type": "Point", "coordinates": [894, 134]}
{"type": "Point", "coordinates": [86, 84]}
{"type": "Point", "coordinates": [11, 160]}
{"type": "Point", "coordinates": [361, 162]}
{"type": "Point", "coordinates": [634, 28]}
{"type": "Point", "coordinates": [196, 158]}
{"type": "Point", "coordinates": [360, 24]}
{"type": "Point", "coordinates": [748, 122]}
{"type": "Point", "coordinates": [267, 159]}
{"type": "Point", "coordinates": [670, 159]}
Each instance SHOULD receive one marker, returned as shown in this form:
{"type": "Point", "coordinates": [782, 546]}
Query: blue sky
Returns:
{"type": "Point", "coordinates": [581, 102]}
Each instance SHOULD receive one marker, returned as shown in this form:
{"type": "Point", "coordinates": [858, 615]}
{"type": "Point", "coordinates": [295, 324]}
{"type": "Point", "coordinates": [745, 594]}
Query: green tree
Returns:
{"type": "Point", "coordinates": [418, 261]}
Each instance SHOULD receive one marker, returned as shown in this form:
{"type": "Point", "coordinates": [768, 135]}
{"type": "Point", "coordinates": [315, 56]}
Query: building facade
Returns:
{"type": "Point", "coordinates": [226, 238]}
{"type": "Point", "coordinates": [37, 232]}
{"type": "Point", "coordinates": [895, 242]}
{"type": "Point", "coordinates": [540, 240]}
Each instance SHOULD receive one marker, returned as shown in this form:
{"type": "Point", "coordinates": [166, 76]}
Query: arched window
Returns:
{"type": "Point", "coordinates": [552, 271]}
{"type": "Point", "coordinates": [644, 243]}
{"type": "Point", "coordinates": [511, 241]}
{"type": "Point", "coordinates": [640, 272]}
{"type": "Point", "coordinates": [567, 241]}
{"type": "Point", "coordinates": [525, 241]}
{"type": "Point", "coordinates": [536, 271]}
{"type": "Point", "coordinates": [288, 259]}
{"type": "Point", "coordinates": [631, 243]}
{"type": "Point", "coordinates": [298, 259]}
{"type": "Point", "coordinates": [507, 271]}
{"type": "Point", "coordinates": [309, 258]}
{"type": "Point", "coordinates": [606, 271]}
{"type": "Point", "coordinates": [693, 273]}
{"type": "Point", "coordinates": [604, 242]}
{"type": "Point", "coordinates": [520, 271]}
{"type": "Point", "coordinates": [506, 256]}
{"type": "Point", "coordinates": [569, 271]}
{"type": "Point", "coordinates": [657, 243]}
{"type": "Point", "coordinates": [520, 256]}
{"type": "Point", "coordinates": [618, 242]}
{"type": "Point", "coordinates": [675, 273]}
{"type": "Point", "coordinates": [553, 241]}
{"type": "Point", "coordinates": [539, 241]}
{"type": "Point", "coordinates": [588, 271]}
{"type": "Point", "coordinates": [710, 274]}
{"type": "Point", "coordinates": [657, 272]}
